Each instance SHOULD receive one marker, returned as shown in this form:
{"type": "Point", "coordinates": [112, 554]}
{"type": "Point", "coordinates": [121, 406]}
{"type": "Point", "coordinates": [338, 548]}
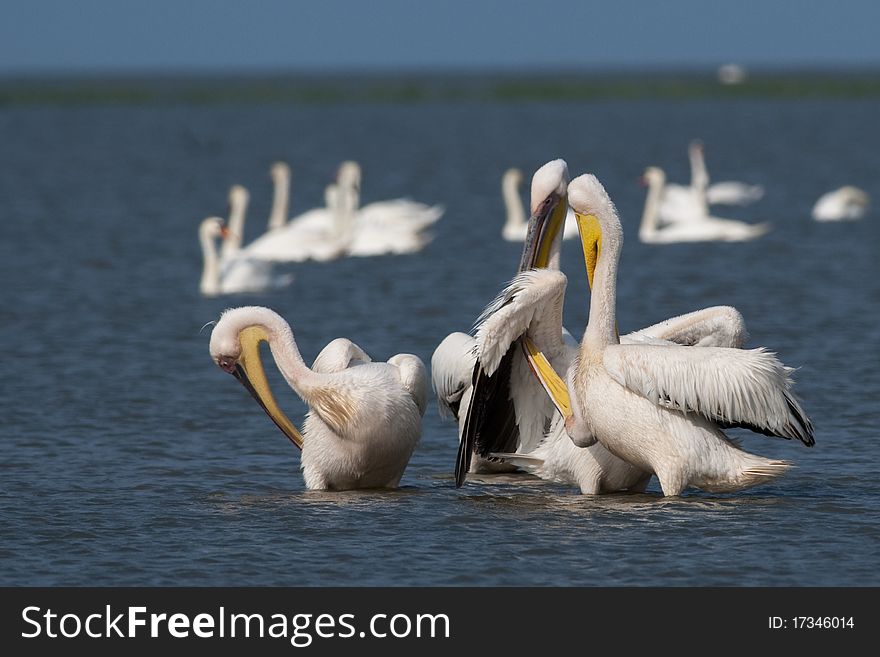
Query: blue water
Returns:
{"type": "Point", "coordinates": [128, 458]}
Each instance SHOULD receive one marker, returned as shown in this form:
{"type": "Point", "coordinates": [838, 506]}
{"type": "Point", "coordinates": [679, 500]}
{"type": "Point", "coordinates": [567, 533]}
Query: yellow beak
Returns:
{"type": "Point", "coordinates": [249, 371]}
{"type": "Point", "coordinates": [549, 379]}
{"type": "Point", "coordinates": [544, 226]}
{"type": "Point", "coordinates": [591, 241]}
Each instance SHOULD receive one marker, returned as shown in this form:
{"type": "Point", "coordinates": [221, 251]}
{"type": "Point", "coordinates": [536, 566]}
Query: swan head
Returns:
{"type": "Point", "coordinates": [549, 207]}
{"type": "Point", "coordinates": [213, 228]}
{"type": "Point", "coordinates": [513, 177]}
{"type": "Point", "coordinates": [653, 176]}
{"type": "Point", "coordinates": [279, 171]}
{"type": "Point", "coordinates": [349, 174]}
{"type": "Point", "coordinates": [596, 218]}
{"type": "Point", "coordinates": [238, 196]}
{"type": "Point", "coordinates": [235, 349]}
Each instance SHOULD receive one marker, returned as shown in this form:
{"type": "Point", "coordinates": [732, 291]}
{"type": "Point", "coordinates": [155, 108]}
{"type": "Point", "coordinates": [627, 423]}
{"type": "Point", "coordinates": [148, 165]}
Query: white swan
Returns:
{"type": "Point", "coordinates": [662, 408]}
{"type": "Point", "coordinates": [841, 204]}
{"type": "Point", "coordinates": [384, 227]}
{"type": "Point", "coordinates": [720, 193]}
{"type": "Point", "coordinates": [704, 229]}
{"type": "Point", "coordinates": [515, 224]}
{"type": "Point", "coordinates": [317, 234]}
{"type": "Point", "coordinates": [364, 418]}
{"type": "Point", "coordinates": [236, 273]}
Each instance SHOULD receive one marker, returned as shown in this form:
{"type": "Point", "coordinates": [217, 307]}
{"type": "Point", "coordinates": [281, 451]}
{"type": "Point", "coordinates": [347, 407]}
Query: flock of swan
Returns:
{"type": "Point", "coordinates": [339, 228]}
{"type": "Point", "coordinates": [604, 414]}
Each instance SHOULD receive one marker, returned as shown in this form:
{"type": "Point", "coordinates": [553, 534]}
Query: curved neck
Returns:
{"type": "Point", "coordinates": [648, 226]}
{"type": "Point", "coordinates": [288, 358]}
{"type": "Point", "coordinates": [210, 283]}
{"type": "Point", "coordinates": [602, 324]}
{"type": "Point", "coordinates": [516, 213]}
{"type": "Point", "coordinates": [232, 242]}
{"type": "Point", "coordinates": [280, 200]}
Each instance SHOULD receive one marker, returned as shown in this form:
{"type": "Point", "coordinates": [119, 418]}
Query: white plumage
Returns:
{"type": "Point", "coordinates": [364, 417]}
{"type": "Point", "coordinates": [842, 204]}
{"type": "Point", "coordinates": [694, 226]}
{"type": "Point", "coordinates": [237, 273]}
{"type": "Point", "coordinates": [661, 408]}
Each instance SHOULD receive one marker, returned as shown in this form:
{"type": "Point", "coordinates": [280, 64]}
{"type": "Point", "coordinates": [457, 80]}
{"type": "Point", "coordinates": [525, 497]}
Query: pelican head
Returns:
{"type": "Point", "coordinates": [235, 349]}
{"type": "Point", "coordinates": [548, 207]}
{"type": "Point", "coordinates": [593, 207]}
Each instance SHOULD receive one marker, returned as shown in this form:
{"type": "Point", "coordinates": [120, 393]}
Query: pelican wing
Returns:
{"type": "Point", "coordinates": [718, 326]}
{"type": "Point", "coordinates": [338, 355]}
{"type": "Point", "coordinates": [531, 303]}
{"type": "Point", "coordinates": [732, 387]}
{"type": "Point", "coordinates": [451, 367]}
{"type": "Point", "coordinates": [491, 416]}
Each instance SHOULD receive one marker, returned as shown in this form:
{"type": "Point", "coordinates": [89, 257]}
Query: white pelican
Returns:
{"type": "Point", "coordinates": [236, 273]}
{"type": "Point", "coordinates": [509, 412]}
{"type": "Point", "coordinates": [841, 204]}
{"type": "Point", "coordinates": [364, 418]}
{"type": "Point", "coordinates": [661, 408]}
{"type": "Point", "coordinates": [720, 193]}
{"type": "Point", "coordinates": [516, 226]}
{"type": "Point", "coordinates": [396, 226]}
{"type": "Point", "coordinates": [704, 229]}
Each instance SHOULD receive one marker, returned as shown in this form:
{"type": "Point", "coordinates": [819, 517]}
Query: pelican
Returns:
{"type": "Point", "coordinates": [704, 229]}
{"type": "Point", "coordinates": [516, 226]}
{"type": "Point", "coordinates": [841, 204]}
{"type": "Point", "coordinates": [662, 408]}
{"type": "Point", "coordinates": [364, 417]}
{"type": "Point", "coordinates": [720, 193]}
{"type": "Point", "coordinates": [396, 226]}
{"type": "Point", "coordinates": [506, 415]}
{"type": "Point", "coordinates": [236, 273]}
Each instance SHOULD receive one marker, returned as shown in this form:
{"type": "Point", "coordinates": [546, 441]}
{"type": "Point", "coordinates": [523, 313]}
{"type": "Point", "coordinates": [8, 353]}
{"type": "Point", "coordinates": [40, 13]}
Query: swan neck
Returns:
{"type": "Point", "coordinates": [648, 227]}
{"type": "Point", "coordinates": [516, 213]}
{"type": "Point", "coordinates": [210, 283]}
{"type": "Point", "coordinates": [232, 242]}
{"type": "Point", "coordinates": [280, 200]}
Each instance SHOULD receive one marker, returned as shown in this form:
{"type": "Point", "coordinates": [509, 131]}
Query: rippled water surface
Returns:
{"type": "Point", "coordinates": [128, 458]}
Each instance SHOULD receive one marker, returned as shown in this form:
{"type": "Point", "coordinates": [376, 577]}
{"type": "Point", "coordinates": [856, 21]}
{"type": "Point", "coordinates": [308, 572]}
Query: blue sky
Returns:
{"type": "Point", "coordinates": [414, 35]}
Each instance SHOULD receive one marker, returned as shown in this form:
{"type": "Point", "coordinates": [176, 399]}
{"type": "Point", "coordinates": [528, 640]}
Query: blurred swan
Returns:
{"type": "Point", "coordinates": [702, 229]}
{"type": "Point", "coordinates": [314, 235]}
{"type": "Point", "coordinates": [844, 203]}
{"type": "Point", "coordinates": [396, 226]}
{"type": "Point", "coordinates": [236, 273]}
{"type": "Point", "coordinates": [364, 417]}
{"type": "Point", "coordinates": [721, 193]}
{"type": "Point", "coordinates": [516, 226]}
{"type": "Point", "coordinates": [662, 408]}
